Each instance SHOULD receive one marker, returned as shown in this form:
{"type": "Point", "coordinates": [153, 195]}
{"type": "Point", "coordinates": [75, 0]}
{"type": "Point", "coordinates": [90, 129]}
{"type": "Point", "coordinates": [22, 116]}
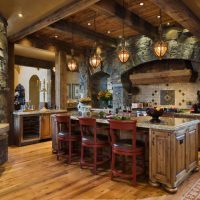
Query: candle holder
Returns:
{"type": "Point", "coordinates": [44, 90]}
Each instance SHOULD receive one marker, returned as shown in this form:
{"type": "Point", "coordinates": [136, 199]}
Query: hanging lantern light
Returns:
{"type": "Point", "coordinates": [123, 53]}
{"type": "Point", "coordinates": [72, 64]}
{"type": "Point", "coordinates": [160, 47]}
{"type": "Point", "coordinates": [95, 58]}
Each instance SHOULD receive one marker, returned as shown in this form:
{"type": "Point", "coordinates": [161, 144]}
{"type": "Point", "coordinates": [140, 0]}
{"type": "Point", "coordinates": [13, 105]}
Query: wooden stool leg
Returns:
{"type": "Point", "coordinates": [82, 155]}
{"type": "Point", "coordinates": [95, 161]}
{"type": "Point", "coordinates": [124, 163]}
{"type": "Point", "coordinates": [59, 147]}
{"type": "Point", "coordinates": [70, 151]}
{"type": "Point", "coordinates": [112, 165]}
{"type": "Point", "coordinates": [134, 170]}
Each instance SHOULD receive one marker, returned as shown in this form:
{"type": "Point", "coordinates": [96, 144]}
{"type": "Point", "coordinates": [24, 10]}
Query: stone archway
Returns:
{"type": "Point", "coordinates": [34, 91]}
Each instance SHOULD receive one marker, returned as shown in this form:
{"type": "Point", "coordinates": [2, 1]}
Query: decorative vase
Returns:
{"type": "Point", "coordinates": [155, 114]}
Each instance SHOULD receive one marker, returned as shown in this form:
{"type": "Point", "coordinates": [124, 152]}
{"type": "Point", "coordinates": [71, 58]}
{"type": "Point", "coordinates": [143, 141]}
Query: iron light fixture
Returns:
{"type": "Point", "coordinates": [160, 47]}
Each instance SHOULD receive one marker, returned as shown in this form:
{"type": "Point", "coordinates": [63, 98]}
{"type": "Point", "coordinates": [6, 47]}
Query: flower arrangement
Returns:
{"type": "Point", "coordinates": [104, 95]}
{"type": "Point", "coordinates": [85, 100]}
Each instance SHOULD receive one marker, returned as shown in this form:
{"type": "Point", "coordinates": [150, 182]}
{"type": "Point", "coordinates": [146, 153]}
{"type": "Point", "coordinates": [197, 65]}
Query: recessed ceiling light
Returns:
{"type": "Point", "coordinates": [89, 24]}
{"type": "Point", "coordinates": [168, 24]}
{"type": "Point", "coordinates": [158, 16]}
{"type": "Point", "coordinates": [56, 36]}
{"type": "Point", "coordinates": [120, 36]}
{"type": "Point", "coordinates": [20, 15]}
{"type": "Point", "coordinates": [108, 31]}
{"type": "Point", "coordinates": [141, 4]}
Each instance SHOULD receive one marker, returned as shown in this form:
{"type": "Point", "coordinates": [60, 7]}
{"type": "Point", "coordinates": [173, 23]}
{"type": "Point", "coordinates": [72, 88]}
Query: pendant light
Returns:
{"type": "Point", "coordinates": [123, 53]}
{"type": "Point", "coordinates": [160, 47]}
{"type": "Point", "coordinates": [95, 58]}
{"type": "Point", "coordinates": [72, 63]}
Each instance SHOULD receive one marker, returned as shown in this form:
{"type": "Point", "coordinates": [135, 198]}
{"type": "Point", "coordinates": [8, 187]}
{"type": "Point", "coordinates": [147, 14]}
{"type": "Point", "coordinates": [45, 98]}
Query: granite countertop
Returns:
{"type": "Point", "coordinates": [38, 112]}
{"type": "Point", "coordinates": [167, 123]}
{"type": "Point", "coordinates": [4, 127]}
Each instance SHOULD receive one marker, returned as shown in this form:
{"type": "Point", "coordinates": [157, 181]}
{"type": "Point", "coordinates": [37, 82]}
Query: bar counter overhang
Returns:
{"type": "Point", "coordinates": [173, 149]}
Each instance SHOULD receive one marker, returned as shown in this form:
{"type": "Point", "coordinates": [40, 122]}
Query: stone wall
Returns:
{"type": "Point", "coordinates": [182, 45]}
{"type": "Point", "coordinates": [3, 70]}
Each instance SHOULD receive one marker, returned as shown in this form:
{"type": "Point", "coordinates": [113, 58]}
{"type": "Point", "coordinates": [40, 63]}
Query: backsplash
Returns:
{"type": "Point", "coordinates": [185, 93]}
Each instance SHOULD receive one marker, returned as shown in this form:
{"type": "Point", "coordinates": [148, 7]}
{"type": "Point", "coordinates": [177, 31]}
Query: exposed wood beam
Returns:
{"type": "Point", "coordinates": [65, 11]}
{"type": "Point", "coordinates": [130, 19]}
{"type": "Point", "coordinates": [63, 27]}
{"type": "Point", "coordinates": [42, 42]}
{"type": "Point", "coordinates": [180, 13]}
{"type": "Point", "coordinates": [32, 62]}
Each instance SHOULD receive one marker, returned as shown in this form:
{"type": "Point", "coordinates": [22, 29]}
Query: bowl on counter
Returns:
{"type": "Point", "coordinates": [155, 113]}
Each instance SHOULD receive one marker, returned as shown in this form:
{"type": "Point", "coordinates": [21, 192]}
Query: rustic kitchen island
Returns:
{"type": "Point", "coordinates": [173, 149]}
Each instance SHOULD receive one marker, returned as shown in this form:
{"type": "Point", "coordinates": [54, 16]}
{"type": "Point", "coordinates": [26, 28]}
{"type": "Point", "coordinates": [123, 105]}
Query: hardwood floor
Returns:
{"type": "Point", "coordinates": [32, 172]}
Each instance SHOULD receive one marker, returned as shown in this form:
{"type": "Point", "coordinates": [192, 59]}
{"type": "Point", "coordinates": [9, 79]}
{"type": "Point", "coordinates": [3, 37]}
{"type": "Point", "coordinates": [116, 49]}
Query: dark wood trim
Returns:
{"type": "Point", "coordinates": [64, 26]}
{"type": "Point", "coordinates": [180, 13]}
{"type": "Point", "coordinates": [57, 15]}
{"type": "Point", "coordinates": [32, 62]}
{"type": "Point", "coordinates": [42, 42]}
{"type": "Point", "coordinates": [130, 19]}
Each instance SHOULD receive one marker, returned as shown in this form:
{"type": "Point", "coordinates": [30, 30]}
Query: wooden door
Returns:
{"type": "Point", "coordinates": [45, 126]}
{"type": "Point", "coordinates": [160, 156]}
{"type": "Point", "coordinates": [34, 91]}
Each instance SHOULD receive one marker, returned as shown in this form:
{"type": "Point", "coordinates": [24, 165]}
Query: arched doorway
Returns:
{"type": "Point", "coordinates": [34, 91]}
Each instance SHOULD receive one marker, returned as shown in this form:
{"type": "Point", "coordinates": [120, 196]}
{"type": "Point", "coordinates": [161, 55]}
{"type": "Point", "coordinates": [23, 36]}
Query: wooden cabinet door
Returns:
{"type": "Point", "coordinates": [160, 156]}
{"type": "Point", "coordinates": [45, 126]}
{"type": "Point", "coordinates": [192, 148]}
{"type": "Point", "coordinates": [179, 165]}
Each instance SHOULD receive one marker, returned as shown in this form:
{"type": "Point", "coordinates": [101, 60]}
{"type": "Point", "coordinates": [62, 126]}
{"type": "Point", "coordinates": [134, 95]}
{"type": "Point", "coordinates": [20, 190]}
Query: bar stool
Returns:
{"type": "Point", "coordinates": [90, 139]}
{"type": "Point", "coordinates": [126, 148]}
{"type": "Point", "coordinates": [66, 135]}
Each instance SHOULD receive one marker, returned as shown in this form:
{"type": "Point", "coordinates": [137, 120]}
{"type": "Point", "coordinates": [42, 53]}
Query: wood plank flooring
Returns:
{"type": "Point", "coordinates": [33, 173]}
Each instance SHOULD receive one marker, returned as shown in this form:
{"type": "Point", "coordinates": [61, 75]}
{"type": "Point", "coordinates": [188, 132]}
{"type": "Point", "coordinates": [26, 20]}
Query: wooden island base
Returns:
{"type": "Point", "coordinates": [173, 149]}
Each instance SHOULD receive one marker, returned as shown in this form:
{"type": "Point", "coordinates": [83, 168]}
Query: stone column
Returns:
{"type": "Point", "coordinates": [60, 80]}
{"type": "Point", "coordinates": [5, 75]}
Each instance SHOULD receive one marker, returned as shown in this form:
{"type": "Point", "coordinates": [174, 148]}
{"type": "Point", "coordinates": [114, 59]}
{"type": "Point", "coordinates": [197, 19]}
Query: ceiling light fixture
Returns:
{"type": "Point", "coordinates": [20, 15]}
{"type": "Point", "coordinates": [72, 63]}
{"type": "Point", "coordinates": [141, 4]}
{"type": "Point", "coordinates": [89, 24]}
{"type": "Point", "coordinates": [158, 16]}
{"type": "Point", "coordinates": [56, 36]}
{"type": "Point", "coordinates": [95, 58]}
{"type": "Point", "coordinates": [108, 32]}
{"type": "Point", "coordinates": [160, 47]}
{"type": "Point", "coordinates": [123, 53]}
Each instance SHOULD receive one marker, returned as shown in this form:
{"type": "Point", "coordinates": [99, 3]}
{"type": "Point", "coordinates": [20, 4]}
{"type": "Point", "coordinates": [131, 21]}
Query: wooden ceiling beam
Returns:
{"type": "Point", "coordinates": [65, 11]}
{"type": "Point", "coordinates": [33, 62]}
{"type": "Point", "coordinates": [66, 26]}
{"type": "Point", "coordinates": [130, 19]}
{"type": "Point", "coordinates": [180, 13]}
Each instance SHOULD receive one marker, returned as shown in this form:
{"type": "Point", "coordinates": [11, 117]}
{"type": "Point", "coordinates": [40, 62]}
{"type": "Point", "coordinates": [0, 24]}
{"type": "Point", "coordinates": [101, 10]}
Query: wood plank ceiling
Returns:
{"type": "Point", "coordinates": [108, 26]}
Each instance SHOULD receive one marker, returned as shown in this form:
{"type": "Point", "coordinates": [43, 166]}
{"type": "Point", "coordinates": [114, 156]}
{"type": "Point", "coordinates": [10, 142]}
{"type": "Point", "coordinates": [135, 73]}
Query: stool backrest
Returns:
{"type": "Point", "coordinates": [63, 123]}
{"type": "Point", "coordinates": [88, 126]}
{"type": "Point", "coordinates": [123, 125]}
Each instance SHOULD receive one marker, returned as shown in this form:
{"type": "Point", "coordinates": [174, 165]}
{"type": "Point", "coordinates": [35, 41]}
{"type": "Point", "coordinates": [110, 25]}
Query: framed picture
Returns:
{"type": "Point", "coordinates": [69, 91]}
{"type": "Point", "coordinates": [76, 91]}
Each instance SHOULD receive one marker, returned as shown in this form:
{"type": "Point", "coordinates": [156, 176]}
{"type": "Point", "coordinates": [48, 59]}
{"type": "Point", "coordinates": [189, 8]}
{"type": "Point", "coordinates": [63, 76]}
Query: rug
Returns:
{"type": "Point", "coordinates": [193, 193]}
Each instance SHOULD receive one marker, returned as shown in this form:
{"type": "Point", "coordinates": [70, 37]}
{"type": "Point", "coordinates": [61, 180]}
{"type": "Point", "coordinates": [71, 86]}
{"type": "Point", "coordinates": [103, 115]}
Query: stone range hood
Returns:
{"type": "Point", "coordinates": [159, 71]}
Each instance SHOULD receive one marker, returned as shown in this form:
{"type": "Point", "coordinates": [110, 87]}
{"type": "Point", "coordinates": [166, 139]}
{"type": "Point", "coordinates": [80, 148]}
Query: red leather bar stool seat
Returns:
{"type": "Point", "coordinates": [126, 148]}
{"type": "Point", "coordinates": [93, 139]}
{"type": "Point", "coordinates": [66, 134]}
